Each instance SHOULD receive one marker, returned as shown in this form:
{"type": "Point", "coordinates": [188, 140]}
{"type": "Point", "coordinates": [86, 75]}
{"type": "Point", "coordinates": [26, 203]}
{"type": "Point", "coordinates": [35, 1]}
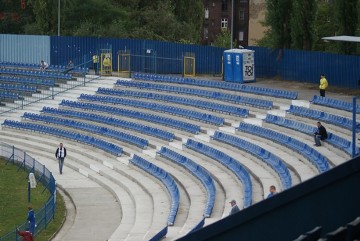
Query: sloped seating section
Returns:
{"type": "Point", "coordinates": [59, 68]}
{"type": "Point", "coordinates": [232, 110]}
{"type": "Point", "coordinates": [184, 126]}
{"type": "Point", "coordinates": [238, 169]}
{"type": "Point", "coordinates": [199, 92]}
{"type": "Point", "coordinates": [9, 95]}
{"type": "Point", "coordinates": [198, 171]}
{"type": "Point", "coordinates": [156, 107]}
{"type": "Point", "coordinates": [98, 143]}
{"type": "Point", "coordinates": [341, 121]}
{"type": "Point", "coordinates": [166, 179]}
{"type": "Point", "coordinates": [318, 160]}
{"type": "Point", "coordinates": [35, 73]}
{"type": "Point", "coordinates": [27, 81]}
{"type": "Point", "coordinates": [63, 68]}
{"type": "Point", "coordinates": [333, 139]}
{"type": "Point", "coordinates": [270, 159]}
{"type": "Point", "coordinates": [18, 88]}
{"type": "Point", "coordinates": [218, 85]}
{"type": "Point", "coordinates": [165, 135]}
{"type": "Point", "coordinates": [118, 135]}
{"type": "Point", "coordinates": [334, 103]}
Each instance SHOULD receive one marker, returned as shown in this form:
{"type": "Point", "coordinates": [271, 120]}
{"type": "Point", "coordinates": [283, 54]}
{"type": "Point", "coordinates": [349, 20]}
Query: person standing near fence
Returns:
{"type": "Point", "coordinates": [323, 85]}
{"type": "Point", "coordinates": [95, 58]}
{"type": "Point", "coordinates": [60, 154]}
{"type": "Point", "coordinates": [31, 220]}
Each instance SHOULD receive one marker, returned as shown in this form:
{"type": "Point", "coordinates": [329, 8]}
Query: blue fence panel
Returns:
{"type": "Point", "coordinates": [306, 66]}
{"type": "Point", "coordinates": [24, 48]}
{"type": "Point", "coordinates": [167, 57]}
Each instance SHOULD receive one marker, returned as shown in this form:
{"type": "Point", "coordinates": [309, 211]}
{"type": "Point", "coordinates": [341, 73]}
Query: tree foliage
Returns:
{"type": "Point", "coordinates": [169, 20]}
{"type": "Point", "coordinates": [301, 24]}
{"type": "Point", "coordinates": [223, 39]}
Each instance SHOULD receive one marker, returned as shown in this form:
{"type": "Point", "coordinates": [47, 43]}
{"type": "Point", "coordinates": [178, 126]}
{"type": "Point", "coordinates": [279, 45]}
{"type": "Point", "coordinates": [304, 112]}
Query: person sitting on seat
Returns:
{"type": "Point", "coordinates": [43, 65]}
{"type": "Point", "coordinates": [320, 134]}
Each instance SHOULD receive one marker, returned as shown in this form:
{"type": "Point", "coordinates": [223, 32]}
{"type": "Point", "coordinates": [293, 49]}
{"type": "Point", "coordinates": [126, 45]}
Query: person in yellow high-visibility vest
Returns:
{"type": "Point", "coordinates": [323, 85]}
{"type": "Point", "coordinates": [95, 62]}
{"type": "Point", "coordinates": [107, 65]}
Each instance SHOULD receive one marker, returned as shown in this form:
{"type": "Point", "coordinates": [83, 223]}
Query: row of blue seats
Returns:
{"type": "Point", "coordinates": [218, 85]}
{"type": "Point", "coordinates": [165, 135]}
{"type": "Point", "coordinates": [42, 74]}
{"type": "Point", "coordinates": [199, 92]}
{"type": "Point", "coordinates": [22, 88]}
{"type": "Point", "coordinates": [118, 135]}
{"type": "Point", "coordinates": [9, 95]}
{"type": "Point", "coordinates": [37, 66]}
{"type": "Point", "coordinates": [166, 179]}
{"type": "Point", "coordinates": [270, 159]}
{"type": "Point", "coordinates": [184, 126]}
{"type": "Point", "coordinates": [198, 171]}
{"type": "Point", "coordinates": [333, 139]}
{"type": "Point", "coordinates": [323, 116]}
{"type": "Point", "coordinates": [333, 103]}
{"type": "Point", "coordinates": [62, 68]}
{"type": "Point", "coordinates": [101, 144]}
{"type": "Point", "coordinates": [238, 169]}
{"type": "Point", "coordinates": [156, 107]}
{"type": "Point", "coordinates": [318, 160]}
{"type": "Point", "coordinates": [27, 81]}
{"type": "Point", "coordinates": [178, 100]}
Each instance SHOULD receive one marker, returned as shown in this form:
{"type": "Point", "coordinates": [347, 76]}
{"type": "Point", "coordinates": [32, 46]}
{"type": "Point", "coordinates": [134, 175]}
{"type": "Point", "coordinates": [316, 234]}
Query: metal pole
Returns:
{"type": "Point", "coordinates": [232, 24]}
{"type": "Point", "coordinates": [59, 18]}
{"type": "Point", "coordinates": [354, 129]}
{"type": "Point", "coordinates": [29, 191]}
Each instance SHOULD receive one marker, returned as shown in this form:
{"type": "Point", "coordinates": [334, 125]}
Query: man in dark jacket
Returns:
{"type": "Point", "coordinates": [234, 208]}
{"type": "Point", "coordinates": [60, 154]}
{"type": "Point", "coordinates": [320, 134]}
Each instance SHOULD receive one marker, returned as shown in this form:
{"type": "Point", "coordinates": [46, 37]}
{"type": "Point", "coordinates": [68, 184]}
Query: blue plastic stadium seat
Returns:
{"type": "Point", "coordinates": [323, 116]}
{"type": "Point", "coordinates": [198, 172]}
{"type": "Point", "coordinates": [319, 161]}
{"type": "Point", "coordinates": [227, 161]}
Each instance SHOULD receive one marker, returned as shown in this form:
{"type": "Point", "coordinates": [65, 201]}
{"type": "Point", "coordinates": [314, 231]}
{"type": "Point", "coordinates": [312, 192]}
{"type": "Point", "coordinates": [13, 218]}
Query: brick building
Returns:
{"type": "Point", "coordinates": [217, 16]}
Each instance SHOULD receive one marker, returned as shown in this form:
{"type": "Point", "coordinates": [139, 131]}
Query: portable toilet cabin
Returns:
{"type": "Point", "coordinates": [239, 65]}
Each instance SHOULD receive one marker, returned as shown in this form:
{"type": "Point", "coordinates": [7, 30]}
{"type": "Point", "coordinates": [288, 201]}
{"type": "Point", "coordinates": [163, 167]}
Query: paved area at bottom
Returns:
{"type": "Point", "coordinates": [94, 211]}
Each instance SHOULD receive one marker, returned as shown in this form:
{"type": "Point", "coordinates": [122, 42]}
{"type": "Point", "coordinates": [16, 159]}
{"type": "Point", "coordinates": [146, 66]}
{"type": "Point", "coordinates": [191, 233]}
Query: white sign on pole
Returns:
{"type": "Point", "coordinates": [32, 180]}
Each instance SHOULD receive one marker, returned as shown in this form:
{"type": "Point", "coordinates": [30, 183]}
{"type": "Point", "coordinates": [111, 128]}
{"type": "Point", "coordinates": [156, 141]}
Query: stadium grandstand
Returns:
{"type": "Point", "coordinates": [159, 156]}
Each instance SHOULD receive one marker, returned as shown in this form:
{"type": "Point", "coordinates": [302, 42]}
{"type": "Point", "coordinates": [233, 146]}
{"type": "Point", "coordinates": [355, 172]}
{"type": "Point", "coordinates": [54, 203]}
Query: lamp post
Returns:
{"type": "Point", "coordinates": [58, 17]}
{"type": "Point", "coordinates": [232, 24]}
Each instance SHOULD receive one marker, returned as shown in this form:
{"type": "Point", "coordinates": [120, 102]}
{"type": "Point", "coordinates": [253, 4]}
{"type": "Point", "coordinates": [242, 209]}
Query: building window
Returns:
{"type": "Point", "coordinates": [206, 33]}
{"type": "Point", "coordinates": [224, 23]}
{"type": "Point", "coordinates": [224, 5]}
{"type": "Point", "coordinates": [206, 13]}
{"type": "Point", "coordinates": [241, 14]}
{"type": "Point", "coordinates": [241, 36]}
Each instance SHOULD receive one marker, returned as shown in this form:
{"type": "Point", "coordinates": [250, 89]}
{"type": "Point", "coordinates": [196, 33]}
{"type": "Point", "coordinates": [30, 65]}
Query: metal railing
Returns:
{"type": "Point", "coordinates": [43, 175]}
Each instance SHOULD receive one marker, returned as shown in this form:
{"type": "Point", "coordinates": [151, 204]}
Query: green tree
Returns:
{"type": "Point", "coordinates": [190, 14]}
{"type": "Point", "coordinates": [325, 25]}
{"type": "Point", "coordinates": [223, 39]}
{"type": "Point", "coordinates": [348, 18]}
{"type": "Point", "coordinates": [277, 19]}
{"type": "Point", "coordinates": [302, 24]}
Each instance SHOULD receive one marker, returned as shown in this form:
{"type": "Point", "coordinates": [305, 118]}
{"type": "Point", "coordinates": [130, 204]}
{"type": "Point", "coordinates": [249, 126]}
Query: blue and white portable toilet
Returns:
{"type": "Point", "coordinates": [239, 65]}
